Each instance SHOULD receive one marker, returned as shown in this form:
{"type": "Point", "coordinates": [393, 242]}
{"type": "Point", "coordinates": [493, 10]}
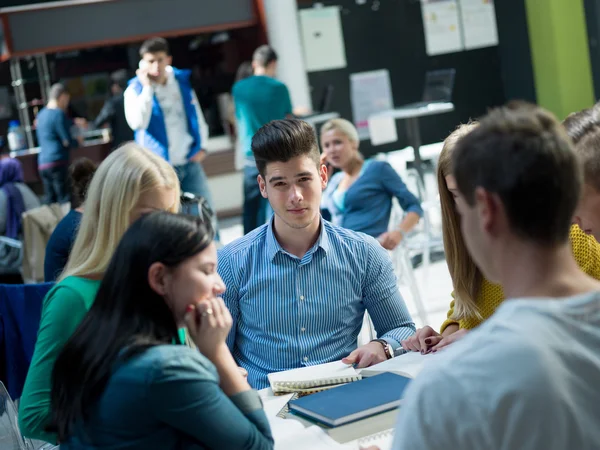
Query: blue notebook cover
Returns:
{"type": "Point", "coordinates": [353, 401]}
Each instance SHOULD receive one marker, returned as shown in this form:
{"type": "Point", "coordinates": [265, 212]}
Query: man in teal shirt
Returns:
{"type": "Point", "coordinates": [258, 100]}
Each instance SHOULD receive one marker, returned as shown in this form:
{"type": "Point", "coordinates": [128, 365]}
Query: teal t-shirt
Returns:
{"type": "Point", "coordinates": [258, 100]}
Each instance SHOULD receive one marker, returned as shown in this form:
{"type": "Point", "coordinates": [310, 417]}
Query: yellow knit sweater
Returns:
{"type": "Point", "coordinates": [586, 251]}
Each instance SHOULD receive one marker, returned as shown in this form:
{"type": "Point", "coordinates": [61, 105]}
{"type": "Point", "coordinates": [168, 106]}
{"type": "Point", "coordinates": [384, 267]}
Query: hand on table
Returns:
{"type": "Point", "coordinates": [366, 355]}
{"type": "Point", "coordinates": [427, 340]}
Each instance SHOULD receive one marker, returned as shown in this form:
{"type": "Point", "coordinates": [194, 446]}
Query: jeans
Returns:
{"type": "Point", "coordinates": [56, 184]}
{"type": "Point", "coordinates": [257, 209]}
{"type": "Point", "coordinates": [193, 179]}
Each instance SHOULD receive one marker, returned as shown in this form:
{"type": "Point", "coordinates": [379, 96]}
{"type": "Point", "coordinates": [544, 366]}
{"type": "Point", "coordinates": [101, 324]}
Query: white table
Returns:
{"type": "Point", "coordinates": [411, 116]}
{"type": "Point", "coordinates": [320, 118]}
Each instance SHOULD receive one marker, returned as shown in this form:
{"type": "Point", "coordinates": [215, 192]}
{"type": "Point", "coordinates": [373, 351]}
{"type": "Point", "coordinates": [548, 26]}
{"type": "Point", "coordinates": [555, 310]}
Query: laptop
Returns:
{"type": "Point", "coordinates": [324, 103]}
{"type": "Point", "coordinates": [439, 85]}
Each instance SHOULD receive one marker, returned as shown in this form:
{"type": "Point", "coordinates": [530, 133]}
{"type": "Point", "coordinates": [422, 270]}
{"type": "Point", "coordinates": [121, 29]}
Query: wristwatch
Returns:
{"type": "Point", "coordinates": [387, 348]}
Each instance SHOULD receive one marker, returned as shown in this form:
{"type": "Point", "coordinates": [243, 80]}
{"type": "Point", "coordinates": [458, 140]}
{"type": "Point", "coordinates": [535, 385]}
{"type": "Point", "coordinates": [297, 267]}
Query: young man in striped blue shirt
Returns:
{"type": "Point", "coordinates": [298, 287]}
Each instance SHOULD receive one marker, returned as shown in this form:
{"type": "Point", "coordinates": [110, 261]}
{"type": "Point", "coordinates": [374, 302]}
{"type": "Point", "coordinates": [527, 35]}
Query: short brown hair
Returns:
{"type": "Point", "coordinates": [579, 123]}
{"type": "Point", "coordinates": [522, 153]}
{"type": "Point", "coordinates": [154, 45]}
{"type": "Point", "coordinates": [282, 140]}
{"type": "Point", "coordinates": [264, 55]}
{"type": "Point", "coordinates": [588, 153]}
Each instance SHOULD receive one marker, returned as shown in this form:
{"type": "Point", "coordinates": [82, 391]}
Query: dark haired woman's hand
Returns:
{"type": "Point", "coordinates": [209, 323]}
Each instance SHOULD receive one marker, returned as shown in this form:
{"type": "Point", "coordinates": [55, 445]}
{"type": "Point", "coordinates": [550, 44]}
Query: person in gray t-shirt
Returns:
{"type": "Point", "coordinates": [528, 377]}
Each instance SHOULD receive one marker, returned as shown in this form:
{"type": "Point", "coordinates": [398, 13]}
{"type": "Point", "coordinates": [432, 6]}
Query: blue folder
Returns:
{"type": "Point", "coordinates": [353, 401]}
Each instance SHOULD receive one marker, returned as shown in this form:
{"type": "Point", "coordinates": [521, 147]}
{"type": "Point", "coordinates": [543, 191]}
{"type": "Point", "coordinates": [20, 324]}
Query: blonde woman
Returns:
{"type": "Point", "coordinates": [475, 298]}
{"type": "Point", "coordinates": [131, 182]}
{"type": "Point", "coordinates": [359, 197]}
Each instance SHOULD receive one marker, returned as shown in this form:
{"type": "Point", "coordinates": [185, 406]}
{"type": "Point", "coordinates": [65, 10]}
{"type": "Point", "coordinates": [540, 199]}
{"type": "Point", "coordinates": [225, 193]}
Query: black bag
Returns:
{"type": "Point", "coordinates": [11, 256]}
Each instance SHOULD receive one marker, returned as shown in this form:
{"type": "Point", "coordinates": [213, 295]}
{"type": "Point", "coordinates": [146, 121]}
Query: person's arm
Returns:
{"type": "Point", "coordinates": [204, 131]}
{"type": "Point", "coordinates": [288, 110]}
{"type": "Point", "coordinates": [230, 296]}
{"type": "Point", "coordinates": [382, 298]}
{"type": "Point", "coordinates": [63, 308]}
{"type": "Point", "coordinates": [439, 413]}
{"type": "Point", "coordinates": [394, 186]}
{"type": "Point", "coordinates": [450, 325]}
{"type": "Point", "coordinates": [183, 396]}
{"type": "Point", "coordinates": [63, 130]}
{"type": "Point", "coordinates": [106, 114]}
{"type": "Point", "coordinates": [586, 251]}
{"type": "Point", "coordinates": [138, 108]}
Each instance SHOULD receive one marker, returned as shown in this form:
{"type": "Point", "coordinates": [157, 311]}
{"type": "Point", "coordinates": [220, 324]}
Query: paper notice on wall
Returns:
{"type": "Point", "coordinates": [442, 26]}
{"type": "Point", "coordinates": [322, 38]}
{"type": "Point", "coordinates": [479, 23]}
{"type": "Point", "coordinates": [382, 130]}
{"type": "Point", "coordinates": [370, 93]}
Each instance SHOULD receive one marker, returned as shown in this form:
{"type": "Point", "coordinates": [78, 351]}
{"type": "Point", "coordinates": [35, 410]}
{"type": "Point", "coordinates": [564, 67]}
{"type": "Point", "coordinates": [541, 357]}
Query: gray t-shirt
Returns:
{"type": "Point", "coordinates": [30, 200]}
{"type": "Point", "coordinates": [526, 379]}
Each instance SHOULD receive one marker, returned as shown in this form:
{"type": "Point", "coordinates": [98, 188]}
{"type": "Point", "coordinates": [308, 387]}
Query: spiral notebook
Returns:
{"type": "Point", "coordinates": [312, 378]}
{"type": "Point", "coordinates": [383, 440]}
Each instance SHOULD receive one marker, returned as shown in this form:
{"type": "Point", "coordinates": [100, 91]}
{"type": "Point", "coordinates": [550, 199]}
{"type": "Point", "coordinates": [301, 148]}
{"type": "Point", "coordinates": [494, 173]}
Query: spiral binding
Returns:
{"type": "Point", "coordinates": [372, 438]}
{"type": "Point", "coordinates": [282, 386]}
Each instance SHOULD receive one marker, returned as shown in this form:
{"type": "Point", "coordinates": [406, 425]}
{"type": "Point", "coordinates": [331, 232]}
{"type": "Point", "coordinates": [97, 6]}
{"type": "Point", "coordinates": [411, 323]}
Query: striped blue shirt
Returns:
{"type": "Point", "coordinates": [290, 312]}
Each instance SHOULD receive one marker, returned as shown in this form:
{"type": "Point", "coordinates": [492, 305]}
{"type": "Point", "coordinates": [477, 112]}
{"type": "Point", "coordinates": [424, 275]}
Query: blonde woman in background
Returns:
{"type": "Point", "coordinates": [359, 197]}
{"type": "Point", "coordinates": [129, 183]}
{"type": "Point", "coordinates": [475, 299]}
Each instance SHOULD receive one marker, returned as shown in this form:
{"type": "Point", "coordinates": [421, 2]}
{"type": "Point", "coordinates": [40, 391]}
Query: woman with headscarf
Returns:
{"type": "Point", "coordinates": [15, 198]}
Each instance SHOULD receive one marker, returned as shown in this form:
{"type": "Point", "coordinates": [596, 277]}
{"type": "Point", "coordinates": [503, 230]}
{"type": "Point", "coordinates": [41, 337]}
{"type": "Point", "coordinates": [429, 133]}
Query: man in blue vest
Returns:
{"type": "Point", "coordinates": [163, 110]}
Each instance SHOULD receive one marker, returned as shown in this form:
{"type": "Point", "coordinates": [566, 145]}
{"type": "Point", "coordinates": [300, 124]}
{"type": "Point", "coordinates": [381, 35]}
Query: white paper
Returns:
{"type": "Point", "coordinates": [382, 130]}
{"type": "Point", "coordinates": [329, 371]}
{"type": "Point", "coordinates": [408, 365]}
{"type": "Point", "coordinates": [322, 38]}
{"type": "Point", "coordinates": [370, 93]}
{"type": "Point", "coordinates": [274, 405]}
{"type": "Point", "coordinates": [479, 23]}
{"type": "Point", "coordinates": [313, 438]}
{"type": "Point", "coordinates": [442, 26]}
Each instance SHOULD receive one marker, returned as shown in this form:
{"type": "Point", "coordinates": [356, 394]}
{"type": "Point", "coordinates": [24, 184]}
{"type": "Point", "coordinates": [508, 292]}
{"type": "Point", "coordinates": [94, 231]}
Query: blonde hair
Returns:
{"type": "Point", "coordinates": [343, 126]}
{"type": "Point", "coordinates": [466, 277]}
{"type": "Point", "coordinates": [114, 191]}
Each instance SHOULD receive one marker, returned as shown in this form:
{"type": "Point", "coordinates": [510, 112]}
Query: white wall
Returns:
{"type": "Point", "coordinates": [284, 36]}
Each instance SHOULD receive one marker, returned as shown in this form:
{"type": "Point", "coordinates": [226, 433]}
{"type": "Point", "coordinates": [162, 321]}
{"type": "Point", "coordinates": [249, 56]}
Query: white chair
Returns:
{"type": "Point", "coordinates": [10, 436]}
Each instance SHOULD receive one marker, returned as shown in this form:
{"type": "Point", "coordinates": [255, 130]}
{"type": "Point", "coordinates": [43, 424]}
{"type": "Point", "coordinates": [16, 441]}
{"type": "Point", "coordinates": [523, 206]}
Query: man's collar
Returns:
{"type": "Point", "coordinates": [273, 246]}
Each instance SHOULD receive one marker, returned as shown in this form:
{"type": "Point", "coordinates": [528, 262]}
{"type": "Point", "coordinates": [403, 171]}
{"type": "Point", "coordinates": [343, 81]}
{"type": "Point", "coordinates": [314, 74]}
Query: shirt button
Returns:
{"type": "Point", "coordinates": [302, 297]}
{"type": "Point", "coordinates": [305, 358]}
{"type": "Point", "coordinates": [303, 329]}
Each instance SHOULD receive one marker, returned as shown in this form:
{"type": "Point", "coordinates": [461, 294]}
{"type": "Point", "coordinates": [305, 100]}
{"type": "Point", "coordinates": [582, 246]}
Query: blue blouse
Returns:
{"type": "Point", "coordinates": [367, 204]}
{"type": "Point", "coordinates": [169, 398]}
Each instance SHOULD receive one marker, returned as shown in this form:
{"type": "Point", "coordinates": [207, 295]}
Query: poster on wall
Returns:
{"type": "Point", "coordinates": [442, 26]}
{"type": "Point", "coordinates": [370, 93]}
{"type": "Point", "coordinates": [479, 23]}
{"type": "Point", "coordinates": [322, 38]}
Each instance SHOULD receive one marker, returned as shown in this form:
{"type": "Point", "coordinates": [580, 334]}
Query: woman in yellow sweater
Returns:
{"type": "Point", "coordinates": [475, 298]}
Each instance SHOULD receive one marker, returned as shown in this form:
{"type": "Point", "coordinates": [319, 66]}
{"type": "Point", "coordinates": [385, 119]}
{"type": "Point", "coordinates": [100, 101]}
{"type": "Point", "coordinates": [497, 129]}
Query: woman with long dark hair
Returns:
{"type": "Point", "coordinates": [122, 382]}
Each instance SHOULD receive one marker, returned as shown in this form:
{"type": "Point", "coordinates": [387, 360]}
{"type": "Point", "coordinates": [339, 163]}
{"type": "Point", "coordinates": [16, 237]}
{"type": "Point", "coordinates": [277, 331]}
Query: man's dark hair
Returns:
{"type": "Point", "coordinates": [264, 55]}
{"type": "Point", "coordinates": [56, 90]}
{"type": "Point", "coordinates": [579, 123]}
{"type": "Point", "coordinates": [119, 77]}
{"type": "Point", "coordinates": [282, 140]}
{"type": "Point", "coordinates": [588, 153]}
{"type": "Point", "coordinates": [154, 45]}
{"type": "Point", "coordinates": [522, 153]}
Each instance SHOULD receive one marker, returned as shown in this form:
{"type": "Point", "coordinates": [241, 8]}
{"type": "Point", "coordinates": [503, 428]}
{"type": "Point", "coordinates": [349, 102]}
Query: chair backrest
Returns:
{"type": "Point", "coordinates": [10, 436]}
{"type": "Point", "coordinates": [20, 313]}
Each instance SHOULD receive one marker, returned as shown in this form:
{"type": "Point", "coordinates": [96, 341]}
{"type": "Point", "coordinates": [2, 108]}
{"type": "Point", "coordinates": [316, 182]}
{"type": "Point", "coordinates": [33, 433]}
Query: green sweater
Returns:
{"type": "Point", "coordinates": [63, 310]}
